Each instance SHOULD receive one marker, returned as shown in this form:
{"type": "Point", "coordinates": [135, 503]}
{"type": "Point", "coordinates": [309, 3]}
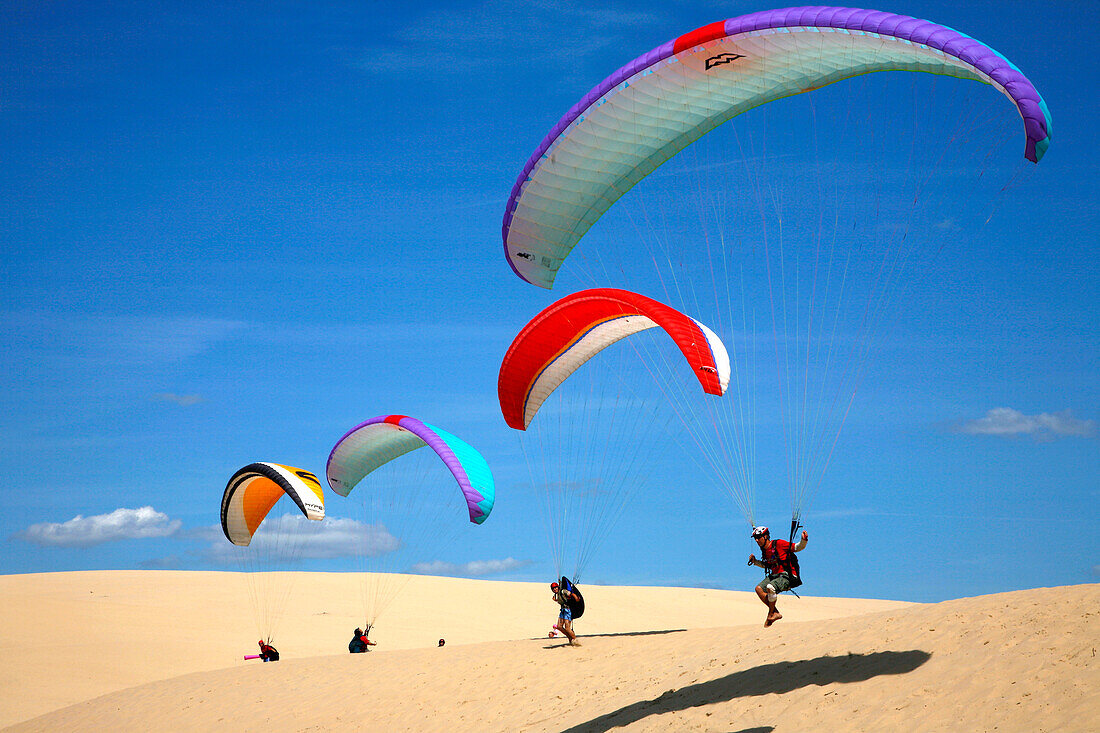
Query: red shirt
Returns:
{"type": "Point", "coordinates": [776, 556]}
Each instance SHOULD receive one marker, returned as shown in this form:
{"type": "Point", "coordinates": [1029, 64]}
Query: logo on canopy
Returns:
{"type": "Point", "coordinates": [723, 58]}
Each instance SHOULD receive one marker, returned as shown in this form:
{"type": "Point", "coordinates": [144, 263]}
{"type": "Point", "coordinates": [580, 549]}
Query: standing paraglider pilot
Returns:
{"type": "Point", "coordinates": [565, 595]}
{"type": "Point", "coordinates": [781, 566]}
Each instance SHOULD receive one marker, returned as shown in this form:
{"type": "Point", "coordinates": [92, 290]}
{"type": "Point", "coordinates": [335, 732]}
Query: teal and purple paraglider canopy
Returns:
{"type": "Point", "coordinates": [381, 439]}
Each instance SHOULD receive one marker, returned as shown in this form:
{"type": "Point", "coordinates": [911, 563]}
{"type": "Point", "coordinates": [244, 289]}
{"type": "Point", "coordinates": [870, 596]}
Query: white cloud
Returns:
{"type": "Point", "coordinates": [121, 524]}
{"type": "Point", "coordinates": [844, 513]}
{"type": "Point", "coordinates": [168, 562]}
{"type": "Point", "coordinates": [483, 37]}
{"type": "Point", "coordinates": [99, 341]}
{"type": "Point", "coordinates": [476, 568]}
{"type": "Point", "coordinates": [1006, 422]}
{"type": "Point", "coordinates": [184, 400]}
{"type": "Point", "coordinates": [293, 537]}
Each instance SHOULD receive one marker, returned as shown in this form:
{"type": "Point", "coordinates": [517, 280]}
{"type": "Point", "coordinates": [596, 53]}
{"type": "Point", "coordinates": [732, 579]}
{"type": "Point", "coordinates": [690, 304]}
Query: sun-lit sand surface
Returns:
{"type": "Point", "coordinates": [151, 650]}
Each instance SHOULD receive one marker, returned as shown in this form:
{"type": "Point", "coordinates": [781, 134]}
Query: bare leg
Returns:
{"type": "Point", "coordinates": [561, 626]}
{"type": "Point", "coordinates": [773, 616]}
{"type": "Point", "coordinates": [566, 628]}
{"type": "Point", "coordinates": [769, 600]}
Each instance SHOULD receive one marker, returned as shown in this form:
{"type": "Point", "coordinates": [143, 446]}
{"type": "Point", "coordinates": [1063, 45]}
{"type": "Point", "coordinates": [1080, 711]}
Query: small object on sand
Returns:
{"type": "Point", "coordinates": [252, 656]}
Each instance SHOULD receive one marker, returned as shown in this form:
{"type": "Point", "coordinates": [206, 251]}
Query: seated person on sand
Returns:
{"type": "Point", "coordinates": [359, 643]}
{"type": "Point", "coordinates": [563, 596]}
{"type": "Point", "coordinates": [781, 567]}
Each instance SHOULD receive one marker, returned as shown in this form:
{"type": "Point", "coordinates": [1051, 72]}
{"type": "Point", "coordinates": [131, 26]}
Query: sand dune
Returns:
{"type": "Point", "coordinates": [652, 659]}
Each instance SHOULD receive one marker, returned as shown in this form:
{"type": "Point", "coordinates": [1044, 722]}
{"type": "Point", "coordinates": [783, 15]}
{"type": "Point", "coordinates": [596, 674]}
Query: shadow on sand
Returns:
{"type": "Point", "coordinates": [620, 633]}
{"type": "Point", "coordinates": [639, 633]}
{"type": "Point", "coordinates": [778, 678]}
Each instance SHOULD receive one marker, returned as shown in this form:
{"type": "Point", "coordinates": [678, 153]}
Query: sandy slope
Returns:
{"type": "Point", "coordinates": [1019, 661]}
{"type": "Point", "coordinates": [67, 637]}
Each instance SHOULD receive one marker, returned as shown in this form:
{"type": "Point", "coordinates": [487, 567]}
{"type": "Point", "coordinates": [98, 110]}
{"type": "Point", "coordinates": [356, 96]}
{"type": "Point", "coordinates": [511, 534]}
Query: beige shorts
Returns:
{"type": "Point", "coordinates": [780, 582]}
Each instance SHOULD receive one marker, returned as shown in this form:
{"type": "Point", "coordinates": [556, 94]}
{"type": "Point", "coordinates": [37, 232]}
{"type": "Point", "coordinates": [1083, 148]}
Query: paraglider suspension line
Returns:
{"type": "Point", "coordinates": [795, 526]}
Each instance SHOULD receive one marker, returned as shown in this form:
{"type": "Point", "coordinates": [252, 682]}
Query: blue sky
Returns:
{"type": "Point", "coordinates": [232, 233]}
